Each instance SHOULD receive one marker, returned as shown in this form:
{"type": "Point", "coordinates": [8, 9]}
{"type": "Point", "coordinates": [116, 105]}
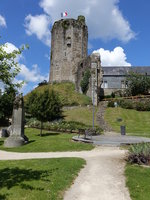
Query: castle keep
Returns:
{"type": "Point", "coordinates": [68, 47]}
{"type": "Point", "coordinates": [69, 60]}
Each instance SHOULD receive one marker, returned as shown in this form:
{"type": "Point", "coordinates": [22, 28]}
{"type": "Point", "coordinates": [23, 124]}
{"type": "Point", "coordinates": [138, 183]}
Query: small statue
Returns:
{"type": "Point", "coordinates": [18, 102]}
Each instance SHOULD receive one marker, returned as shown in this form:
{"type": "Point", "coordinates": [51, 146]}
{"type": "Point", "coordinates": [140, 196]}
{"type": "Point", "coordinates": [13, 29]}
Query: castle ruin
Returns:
{"type": "Point", "coordinates": [69, 59]}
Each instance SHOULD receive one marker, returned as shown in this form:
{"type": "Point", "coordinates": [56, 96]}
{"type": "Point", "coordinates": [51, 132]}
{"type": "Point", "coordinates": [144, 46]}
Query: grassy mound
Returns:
{"type": "Point", "coordinates": [136, 122]}
{"type": "Point", "coordinates": [67, 94]}
{"type": "Point", "coordinates": [81, 114]}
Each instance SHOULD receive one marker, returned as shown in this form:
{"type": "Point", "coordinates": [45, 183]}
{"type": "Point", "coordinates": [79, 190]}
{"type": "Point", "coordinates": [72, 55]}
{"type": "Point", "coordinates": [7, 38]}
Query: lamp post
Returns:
{"type": "Point", "coordinates": [93, 100]}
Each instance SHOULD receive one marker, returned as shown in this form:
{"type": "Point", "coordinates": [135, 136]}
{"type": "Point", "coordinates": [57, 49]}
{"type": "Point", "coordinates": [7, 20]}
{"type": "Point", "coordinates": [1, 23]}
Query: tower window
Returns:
{"type": "Point", "coordinates": [69, 45]}
{"type": "Point", "coordinates": [68, 41]}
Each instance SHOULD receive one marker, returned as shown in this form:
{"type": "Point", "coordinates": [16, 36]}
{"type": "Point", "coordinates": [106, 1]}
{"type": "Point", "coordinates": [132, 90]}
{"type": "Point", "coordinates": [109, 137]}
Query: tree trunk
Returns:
{"type": "Point", "coordinates": [41, 128]}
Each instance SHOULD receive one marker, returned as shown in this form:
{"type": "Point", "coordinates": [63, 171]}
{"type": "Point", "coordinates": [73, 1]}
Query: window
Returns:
{"type": "Point", "coordinates": [124, 84]}
{"type": "Point", "coordinates": [68, 41]}
{"type": "Point", "coordinates": [104, 84]}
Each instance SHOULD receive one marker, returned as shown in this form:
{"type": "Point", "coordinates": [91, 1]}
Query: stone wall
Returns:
{"type": "Point", "coordinates": [68, 46]}
{"type": "Point", "coordinates": [69, 59]}
{"type": "Point", "coordinates": [93, 64]}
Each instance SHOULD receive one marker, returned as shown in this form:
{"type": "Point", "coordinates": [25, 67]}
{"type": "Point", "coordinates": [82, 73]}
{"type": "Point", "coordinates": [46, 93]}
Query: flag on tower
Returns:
{"type": "Point", "coordinates": [64, 14]}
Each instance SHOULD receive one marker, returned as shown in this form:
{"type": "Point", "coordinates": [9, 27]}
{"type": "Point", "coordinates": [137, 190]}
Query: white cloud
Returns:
{"type": "Point", "coordinates": [47, 56]}
{"type": "Point", "coordinates": [104, 19]}
{"type": "Point", "coordinates": [38, 25]}
{"type": "Point", "coordinates": [117, 57]}
{"type": "Point", "coordinates": [31, 75]}
{"type": "Point", "coordinates": [2, 21]}
{"type": "Point", "coordinates": [9, 47]}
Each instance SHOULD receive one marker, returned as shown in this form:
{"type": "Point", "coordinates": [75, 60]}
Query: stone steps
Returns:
{"type": "Point", "coordinates": [100, 117]}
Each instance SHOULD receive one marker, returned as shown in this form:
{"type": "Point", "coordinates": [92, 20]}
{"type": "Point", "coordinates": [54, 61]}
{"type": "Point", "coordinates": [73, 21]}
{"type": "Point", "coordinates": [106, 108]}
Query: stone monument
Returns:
{"type": "Point", "coordinates": [17, 137]}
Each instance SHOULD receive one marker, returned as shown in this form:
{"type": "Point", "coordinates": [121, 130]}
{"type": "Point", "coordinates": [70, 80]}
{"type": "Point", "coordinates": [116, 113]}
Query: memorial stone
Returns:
{"type": "Point", "coordinates": [17, 137]}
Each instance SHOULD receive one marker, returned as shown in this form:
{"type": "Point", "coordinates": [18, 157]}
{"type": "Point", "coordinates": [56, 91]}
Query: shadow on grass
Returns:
{"type": "Point", "coordinates": [1, 143]}
{"type": "Point", "coordinates": [48, 134]}
{"type": "Point", "coordinates": [3, 196]}
{"type": "Point", "coordinates": [30, 141]}
{"type": "Point", "coordinates": [11, 177]}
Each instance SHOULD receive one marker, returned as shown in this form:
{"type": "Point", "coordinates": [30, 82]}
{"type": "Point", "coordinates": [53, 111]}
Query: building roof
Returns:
{"type": "Point", "coordinates": [123, 70]}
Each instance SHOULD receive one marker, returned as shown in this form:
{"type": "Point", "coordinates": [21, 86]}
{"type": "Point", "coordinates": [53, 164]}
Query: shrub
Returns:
{"type": "Point", "coordinates": [111, 104]}
{"type": "Point", "coordinates": [85, 81]}
{"type": "Point", "coordinates": [107, 96]}
{"type": "Point", "coordinates": [113, 95]}
{"type": "Point", "coordinates": [43, 83]}
{"type": "Point", "coordinates": [143, 106]}
{"type": "Point", "coordinates": [61, 125]}
{"type": "Point", "coordinates": [140, 106]}
{"type": "Point", "coordinates": [126, 104]}
{"type": "Point", "coordinates": [139, 154]}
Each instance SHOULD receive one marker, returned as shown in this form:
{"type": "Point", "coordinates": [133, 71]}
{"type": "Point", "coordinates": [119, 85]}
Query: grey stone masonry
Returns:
{"type": "Point", "coordinates": [93, 64]}
{"type": "Point", "coordinates": [69, 38]}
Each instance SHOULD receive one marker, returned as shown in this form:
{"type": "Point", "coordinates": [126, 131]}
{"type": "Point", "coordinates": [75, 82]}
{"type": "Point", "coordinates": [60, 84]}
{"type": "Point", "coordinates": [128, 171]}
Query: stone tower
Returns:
{"type": "Point", "coordinates": [69, 39]}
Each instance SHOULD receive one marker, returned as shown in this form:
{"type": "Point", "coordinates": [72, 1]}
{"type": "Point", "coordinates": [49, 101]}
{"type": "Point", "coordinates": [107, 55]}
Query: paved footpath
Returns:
{"type": "Point", "coordinates": [102, 178]}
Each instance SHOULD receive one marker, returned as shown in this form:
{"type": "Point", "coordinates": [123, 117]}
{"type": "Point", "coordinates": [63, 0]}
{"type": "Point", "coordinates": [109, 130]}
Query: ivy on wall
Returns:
{"type": "Point", "coordinates": [85, 81]}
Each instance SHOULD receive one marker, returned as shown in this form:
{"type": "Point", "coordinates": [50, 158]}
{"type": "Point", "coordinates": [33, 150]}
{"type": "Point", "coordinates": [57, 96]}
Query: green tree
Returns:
{"type": "Point", "coordinates": [137, 84]}
{"type": "Point", "coordinates": [44, 106]}
{"type": "Point", "coordinates": [6, 104]}
{"type": "Point", "coordinates": [9, 67]}
{"type": "Point", "coordinates": [85, 81]}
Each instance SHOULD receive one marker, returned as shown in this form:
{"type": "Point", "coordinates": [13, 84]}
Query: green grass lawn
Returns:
{"type": "Point", "coordinates": [48, 142]}
{"type": "Point", "coordinates": [45, 179]}
{"type": "Point", "coordinates": [81, 114]}
{"type": "Point", "coordinates": [138, 182]}
{"type": "Point", "coordinates": [137, 123]}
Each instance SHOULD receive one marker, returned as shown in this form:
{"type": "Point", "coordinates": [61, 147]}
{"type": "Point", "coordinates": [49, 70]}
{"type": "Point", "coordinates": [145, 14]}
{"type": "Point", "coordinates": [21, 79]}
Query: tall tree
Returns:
{"type": "Point", "coordinates": [44, 106]}
{"type": "Point", "coordinates": [9, 67]}
{"type": "Point", "coordinates": [137, 84]}
{"type": "Point", "coordinates": [6, 104]}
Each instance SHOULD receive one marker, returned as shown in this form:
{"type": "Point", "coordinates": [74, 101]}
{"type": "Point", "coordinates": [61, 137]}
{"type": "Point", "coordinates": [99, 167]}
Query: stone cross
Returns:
{"type": "Point", "coordinates": [17, 137]}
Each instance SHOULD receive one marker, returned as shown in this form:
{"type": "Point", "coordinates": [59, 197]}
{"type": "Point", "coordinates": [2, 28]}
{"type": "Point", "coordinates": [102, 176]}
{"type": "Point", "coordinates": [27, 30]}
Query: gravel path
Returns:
{"type": "Point", "coordinates": [101, 179]}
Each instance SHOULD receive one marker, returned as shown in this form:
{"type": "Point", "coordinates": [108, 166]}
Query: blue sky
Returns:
{"type": "Point", "coordinates": [118, 30]}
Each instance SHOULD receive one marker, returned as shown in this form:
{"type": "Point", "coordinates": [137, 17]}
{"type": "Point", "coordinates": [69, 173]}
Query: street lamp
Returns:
{"type": "Point", "coordinates": [93, 99]}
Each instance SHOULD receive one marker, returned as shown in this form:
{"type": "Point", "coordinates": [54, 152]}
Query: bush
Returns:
{"type": "Point", "coordinates": [113, 95]}
{"type": "Point", "coordinates": [140, 106]}
{"type": "Point", "coordinates": [143, 106]}
{"type": "Point", "coordinates": [111, 104]}
{"type": "Point", "coordinates": [85, 81]}
{"type": "Point", "coordinates": [126, 104]}
{"type": "Point", "coordinates": [139, 154]}
{"type": "Point", "coordinates": [60, 125]}
{"type": "Point", "coordinates": [43, 83]}
{"type": "Point", "coordinates": [107, 96]}
{"type": "Point", "coordinates": [129, 104]}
